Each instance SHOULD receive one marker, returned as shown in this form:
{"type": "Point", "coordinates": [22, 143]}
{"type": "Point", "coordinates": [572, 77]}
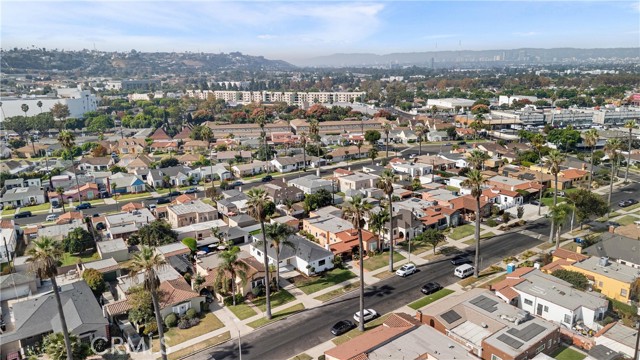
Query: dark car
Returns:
{"type": "Point", "coordinates": [342, 327]}
{"type": "Point", "coordinates": [459, 260]}
{"type": "Point", "coordinates": [462, 142]}
{"type": "Point", "coordinates": [191, 191]}
{"type": "Point", "coordinates": [267, 178]}
{"type": "Point", "coordinates": [628, 202]}
{"type": "Point", "coordinates": [174, 193]}
{"type": "Point", "coordinates": [235, 184]}
{"type": "Point", "coordinates": [535, 202]}
{"type": "Point", "coordinates": [22, 214]}
{"type": "Point", "coordinates": [430, 288]}
{"type": "Point", "coordinates": [83, 206]}
{"type": "Point", "coordinates": [163, 200]}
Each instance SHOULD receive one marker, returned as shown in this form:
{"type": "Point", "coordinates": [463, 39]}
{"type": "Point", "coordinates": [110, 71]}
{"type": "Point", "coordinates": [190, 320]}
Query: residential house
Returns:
{"type": "Point", "coordinates": [131, 146]}
{"type": "Point", "coordinates": [311, 184]}
{"type": "Point", "coordinates": [95, 164]}
{"type": "Point", "coordinates": [616, 247]}
{"type": "Point", "coordinates": [173, 249]}
{"type": "Point", "coordinates": [23, 196]}
{"type": "Point", "coordinates": [190, 213]}
{"type": "Point", "coordinates": [200, 231]}
{"type": "Point", "coordinates": [456, 181]}
{"type": "Point", "coordinates": [32, 151]}
{"type": "Point", "coordinates": [164, 146]}
{"type": "Point", "coordinates": [133, 162]}
{"type": "Point", "coordinates": [324, 227]}
{"type": "Point", "coordinates": [88, 191]}
{"type": "Point", "coordinates": [207, 267]}
{"type": "Point", "coordinates": [251, 169]}
{"type": "Point", "coordinates": [414, 170]}
{"type": "Point", "coordinates": [619, 338]}
{"type": "Point", "coordinates": [438, 163]}
{"type": "Point", "coordinates": [459, 159]}
{"type": "Point", "coordinates": [171, 176]}
{"type": "Point", "coordinates": [505, 199]}
{"type": "Point", "coordinates": [281, 193]}
{"type": "Point", "coordinates": [160, 135]}
{"type": "Point", "coordinates": [116, 249]}
{"type": "Point", "coordinates": [575, 177]}
{"type": "Point", "coordinates": [232, 156]}
{"type": "Point", "coordinates": [512, 184]}
{"type": "Point", "coordinates": [189, 159]}
{"type": "Point", "coordinates": [489, 328]}
{"type": "Point", "coordinates": [125, 224]}
{"type": "Point", "coordinates": [611, 278]}
{"type": "Point", "coordinates": [241, 221]}
{"type": "Point", "coordinates": [437, 136]}
{"type": "Point", "coordinates": [551, 298]}
{"type": "Point", "coordinates": [467, 206]}
{"type": "Point", "coordinates": [21, 182]}
{"type": "Point", "coordinates": [18, 285]}
{"type": "Point", "coordinates": [218, 171]}
{"type": "Point", "coordinates": [399, 337]}
{"type": "Point", "coordinates": [356, 181]}
{"type": "Point", "coordinates": [15, 167]}
{"type": "Point", "coordinates": [109, 268]}
{"type": "Point", "coordinates": [348, 243]}
{"type": "Point", "coordinates": [293, 163]}
{"type": "Point", "coordinates": [306, 256]}
{"type": "Point", "coordinates": [405, 135]}
{"type": "Point", "coordinates": [82, 313]}
{"type": "Point", "coordinates": [346, 153]}
{"type": "Point", "coordinates": [125, 184]}
{"type": "Point", "coordinates": [441, 197]}
{"type": "Point", "coordinates": [9, 232]}
{"type": "Point", "coordinates": [196, 146]}
{"type": "Point", "coordinates": [232, 203]}
{"type": "Point", "coordinates": [441, 217]}
{"type": "Point", "coordinates": [184, 134]}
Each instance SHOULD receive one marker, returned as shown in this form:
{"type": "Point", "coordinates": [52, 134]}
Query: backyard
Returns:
{"type": "Point", "coordinates": [68, 259]}
{"type": "Point", "coordinates": [567, 353]}
{"type": "Point", "coordinates": [312, 284]}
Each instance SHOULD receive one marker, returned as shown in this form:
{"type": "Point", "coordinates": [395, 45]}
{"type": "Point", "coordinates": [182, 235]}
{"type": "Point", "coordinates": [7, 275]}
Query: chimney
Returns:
{"type": "Point", "coordinates": [612, 229]}
{"type": "Point", "coordinates": [419, 315]}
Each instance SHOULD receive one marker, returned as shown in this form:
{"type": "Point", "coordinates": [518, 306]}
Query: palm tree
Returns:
{"type": "Point", "coordinates": [477, 158]}
{"type": "Point", "coordinates": [591, 139]}
{"type": "Point", "coordinates": [261, 121]}
{"type": "Point", "coordinates": [356, 210]}
{"type": "Point", "coordinates": [477, 125]}
{"type": "Point", "coordinates": [43, 259]}
{"type": "Point", "coordinates": [420, 133]}
{"type": "Point", "coordinates": [554, 159]}
{"type": "Point", "coordinates": [24, 108]}
{"type": "Point", "coordinates": [148, 263]}
{"type": "Point", "coordinates": [559, 215]}
{"type": "Point", "coordinates": [257, 203]}
{"type": "Point", "coordinates": [68, 141]}
{"type": "Point", "coordinates": [359, 146]}
{"type": "Point", "coordinates": [538, 141]}
{"type": "Point", "coordinates": [207, 134]}
{"type": "Point", "coordinates": [39, 104]}
{"type": "Point", "coordinates": [279, 234]}
{"type": "Point", "coordinates": [376, 224]}
{"type": "Point", "coordinates": [387, 129]}
{"type": "Point", "coordinates": [373, 154]}
{"type": "Point", "coordinates": [60, 191]}
{"type": "Point", "coordinates": [303, 142]}
{"type": "Point", "coordinates": [314, 131]}
{"type": "Point", "coordinates": [385, 182]}
{"type": "Point", "coordinates": [230, 269]}
{"type": "Point", "coordinates": [611, 148]}
{"type": "Point", "coordinates": [113, 192]}
{"type": "Point", "coordinates": [475, 182]}
{"type": "Point", "coordinates": [629, 124]}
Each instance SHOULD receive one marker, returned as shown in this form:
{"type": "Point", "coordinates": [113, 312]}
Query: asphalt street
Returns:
{"type": "Point", "coordinates": [291, 336]}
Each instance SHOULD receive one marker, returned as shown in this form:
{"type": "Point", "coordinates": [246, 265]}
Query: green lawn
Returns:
{"type": "Point", "coordinates": [163, 191]}
{"type": "Point", "coordinates": [68, 259]}
{"type": "Point", "coordinates": [611, 216]}
{"type": "Point", "coordinates": [549, 201]}
{"type": "Point", "coordinates": [8, 212]}
{"type": "Point", "coordinates": [280, 298]}
{"type": "Point", "coordinates": [453, 188]}
{"type": "Point", "coordinates": [355, 332]}
{"type": "Point", "coordinates": [95, 202]}
{"type": "Point", "coordinates": [337, 292]}
{"type": "Point", "coordinates": [377, 261]}
{"type": "Point", "coordinates": [566, 353]}
{"type": "Point", "coordinates": [181, 354]}
{"type": "Point", "coordinates": [418, 247]}
{"type": "Point", "coordinates": [134, 196]}
{"type": "Point", "coordinates": [242, 311]}
{"type": "Point", "coordinates": [40, 207]}
{"type": "Point", "coordinates": [632, 207]}
{"type": "Point", "coordinates": [174, 336]}
{"type": "Point", "coordinates": [302, 356]}
{"type": "Point", "coordinates": [329, 278]}
{"type": "Point", "coordinates": [277, 316]}
{"type": "Point", "coordinates": [627, 219]}
{"type": "Point", "coordinates": [462, 231]}
{"type": "Point", "coordinates": [430, 298]}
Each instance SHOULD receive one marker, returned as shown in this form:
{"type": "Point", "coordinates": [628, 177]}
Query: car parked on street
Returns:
{"type": "Point", "coordinates": [51, 217]}
{"type": "Point", "coordinates": [22, 214]}
{"type": "Point", "coordinates": [266, 178]}
{"type": "Point", "coordinates": [459, 260]}
{"type": "Point", "coordinates": [83, 206]}
{"type": "Point", "coordinates": [430, 288]}
{"type": "Point", "coordinates": [342, 327]}
{"type": "Point", "coordinates": [628, 202]}
{"type": "Point", "coordinates": [368, 315]}
{"type": "Point", "coordinates": [406, 270]}
{"type": "Point", "coordinates": [191, 191]}
{"type": "Point", "coordinates": [163, 200]}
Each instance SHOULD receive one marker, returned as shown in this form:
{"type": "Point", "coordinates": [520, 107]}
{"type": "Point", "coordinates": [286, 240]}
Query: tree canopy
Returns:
{"type": "Point", "coordinates": [156, 233]}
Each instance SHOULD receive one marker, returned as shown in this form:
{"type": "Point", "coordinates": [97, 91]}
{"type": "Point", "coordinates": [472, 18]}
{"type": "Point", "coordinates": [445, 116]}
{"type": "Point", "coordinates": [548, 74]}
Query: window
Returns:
{"type": "Point", "coordinates": [599, 284]}
{"type": "Point", "coordinates": [623, 292]}
{"type": "Point", "coordinates": [495, 357]}
{"type": "Point", "coordinates": [528, 302]}
{"type": "Point", "coordinates": [322, 262]}
{"type": "Point", "coordinates": [540, 348]}
{"type": "Point", "coordinates": [567, 319]}
{"type": "Point", "coordinates": [546, 309]}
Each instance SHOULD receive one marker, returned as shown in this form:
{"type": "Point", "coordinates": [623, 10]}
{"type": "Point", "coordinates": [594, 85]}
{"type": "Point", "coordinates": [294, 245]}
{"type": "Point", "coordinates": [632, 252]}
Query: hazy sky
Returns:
{"type": "Point", "coordinates": [291, 30]}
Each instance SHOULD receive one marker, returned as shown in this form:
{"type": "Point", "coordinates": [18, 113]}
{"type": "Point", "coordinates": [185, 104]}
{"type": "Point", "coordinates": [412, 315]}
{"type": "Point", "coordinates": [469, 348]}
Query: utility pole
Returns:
{"type": "Point", "coordinates": [6, 250]}
{"type": "Point", "coordinates": [635, 354]}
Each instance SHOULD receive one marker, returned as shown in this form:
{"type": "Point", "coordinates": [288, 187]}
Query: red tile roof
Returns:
{"type": "Point", "coordinates": [520, 272]}
{"type": "Point", "coordinates": [160, 134]}
{"type": "Point", "coordinates": [568, 255]}
{"type": "Point", "coordinates": [175, 291]}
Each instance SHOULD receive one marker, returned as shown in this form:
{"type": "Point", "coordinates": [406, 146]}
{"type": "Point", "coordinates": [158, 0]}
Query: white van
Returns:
{"type": "Point", "coordinates": [463, 271]}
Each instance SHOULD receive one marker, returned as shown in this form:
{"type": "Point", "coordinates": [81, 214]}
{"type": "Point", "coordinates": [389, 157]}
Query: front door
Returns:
{"type": "Point", "coordinates": [539, 310]}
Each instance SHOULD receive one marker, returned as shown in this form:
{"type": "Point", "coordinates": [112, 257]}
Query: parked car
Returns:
{"type": "Point", "coordinates": [342, 327]}
{"type": "Point", "coordinates": [536, 203]}
{"type": "Point", "coordinates": [462, 143]}
{"type": "Point", "coordinates": [430, 288]}
{"type": "Point", "coordinates": [628, 202]}
{"type": "Point", "coordinates": [163, 200]}
{"type": "Point", "coordinates": [174, 193]}
{"type": "Point", "coordinates": [406, 270]}
{"type": "Point", "coordinates": [83, 206]}
{"type": "Point", "coordinates": [51, 217]}
{"type": "Point", "coordinates": [191, 191]}
{"type": "Point", "coordinates": [463, 271]}
{"type": "Point", "coordinates": [369, 314]}
{"type": "Point", "coordinates": [267, 178]}
{"type": "Point", "coordinates": [22, 214]}
{"type": "Point", "coordinates": [237, 183]}
{"type": "Point", "coordinates": [459, 260]}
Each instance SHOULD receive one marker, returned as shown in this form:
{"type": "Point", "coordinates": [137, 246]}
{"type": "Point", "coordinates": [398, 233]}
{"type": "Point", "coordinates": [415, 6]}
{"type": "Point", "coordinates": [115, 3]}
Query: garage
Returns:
{"type": "Point", "coordinates": [17, 285]}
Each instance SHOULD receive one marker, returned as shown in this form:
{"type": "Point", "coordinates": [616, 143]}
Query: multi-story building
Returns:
{"type": "Point", "coordinates": [146, 84]}
{"type": "Point", "coordinates": [291, 98]}
{"type": "Point", "coordinates": [78, 101]}
{"type": "Point", "coordinates": [190, 213]}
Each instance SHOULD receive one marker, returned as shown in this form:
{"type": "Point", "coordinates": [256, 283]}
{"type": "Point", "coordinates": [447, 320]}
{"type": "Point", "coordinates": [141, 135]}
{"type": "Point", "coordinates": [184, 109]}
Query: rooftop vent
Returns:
{"type": "Point", "coordinates": [604, 261]}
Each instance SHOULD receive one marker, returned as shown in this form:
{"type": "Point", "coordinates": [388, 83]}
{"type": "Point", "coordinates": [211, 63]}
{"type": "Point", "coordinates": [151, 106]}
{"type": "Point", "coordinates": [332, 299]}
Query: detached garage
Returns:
{"type": "Point", "coordinates": [17, 285]}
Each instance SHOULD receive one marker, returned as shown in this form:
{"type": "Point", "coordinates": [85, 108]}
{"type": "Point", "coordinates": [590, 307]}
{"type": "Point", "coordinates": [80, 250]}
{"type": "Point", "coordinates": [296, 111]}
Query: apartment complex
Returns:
{"type": "Point", "coordinates": [291, 98]}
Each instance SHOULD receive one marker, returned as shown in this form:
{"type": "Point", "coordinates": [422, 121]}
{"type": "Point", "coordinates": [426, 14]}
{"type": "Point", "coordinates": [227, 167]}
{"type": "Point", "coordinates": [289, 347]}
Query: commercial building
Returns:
{"type": "Point", "coordinates": [78, 101]}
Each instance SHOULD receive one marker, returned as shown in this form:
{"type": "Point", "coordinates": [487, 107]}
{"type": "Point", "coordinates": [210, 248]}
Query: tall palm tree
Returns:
{"type": "Point", "coordinates": [420, 131]}
{"type": "Point", "coordinates": [303, 142]}
{"type": "Point", "coordinates": [24, 108]}
{"type": "Point", "coordinates": [257, 203]}
{"type": "Point", "coordinates": [355, 211]}
{"type": "Point", "coordinates": [60, 191]}
{"type": "Point", "coordinates": [475, 182]}
{"type": "Point", "coordinates": [279, 234]}
{"type": "Point", "coordinates": [373, 154]}
{"type": "Point", "coordinates": [261, 121]}
{"type": "Point", "coordinates": [147, 262]}
{"type": "Point", "coordinates": [611, 148]}
{"type": "Point", "coordinates": [629, 124]}
{"type": "Point", "coordinates": [230, 269]}
{"type": "Point", "coordinates": [591, 137]}
{"type": "Point", "coordinates": [68, 141]}
{"type": "Point", "coordinates": [376, 224]}
{"type": "Point", "coordinates": [387, 130]}
{"type": "Point", "coordinates": [538, 141]}
{"type": "Point", "coordinates": [43, 258]}
{"type": "Point", "coordinates": [359, 146]}
{"type": "Point", "coordinates": [385, 182]}
{"type": "Point", "coordinates": [39, 104]}
{"type": "Point", "coordinates": [477, 158]}
{"type": "Point", "coordinates": [477, 125]}
{"type": "Point", "coordinates": [559, 215]}
{"type": "Point", "coordinates": [554, 159]}
{"type": "Point", "coordinates": [314, 133]}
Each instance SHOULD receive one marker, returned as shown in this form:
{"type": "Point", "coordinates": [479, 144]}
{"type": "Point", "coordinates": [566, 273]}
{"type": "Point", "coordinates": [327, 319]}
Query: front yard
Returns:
{"type": "Point", "coordinates": [313, 284]}
{"type": "Point", "coordinates": [337, 292]}
{"type": "Point", "coordinates": [377, 261]}
{"type": "Point", "coordinates": [180, 354]}
{"type": "Point", "coordinates": [242, 311]}
{"type": "Point", "coordinates": [174, 336]}
{"type": "Point", "coordinates": [280, 298]}
{"type": "Point", "coordinates": [462, 231]}
{"type": "Point", "coordinates": [34, 208]}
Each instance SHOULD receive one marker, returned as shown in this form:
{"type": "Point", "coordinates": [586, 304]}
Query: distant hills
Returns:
{"type": "Point", "coordinates": [130, 64]}
{"type": "Point", "coordinates": [442, 58]}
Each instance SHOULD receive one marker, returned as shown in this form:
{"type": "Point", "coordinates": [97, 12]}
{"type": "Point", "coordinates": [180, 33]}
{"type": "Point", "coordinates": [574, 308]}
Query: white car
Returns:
{"type": "Point", "coordinates": [406, 269]}
{"type": "Point", "coordinates": [369, 314]}
{"type": "Point", "coordinates": [52, 217]}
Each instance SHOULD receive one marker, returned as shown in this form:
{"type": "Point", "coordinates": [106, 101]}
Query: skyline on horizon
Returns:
{"type": "Point", "coordinates": [298, 30]}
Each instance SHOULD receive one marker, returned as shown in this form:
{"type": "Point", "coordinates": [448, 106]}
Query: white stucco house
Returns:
{"type": "Point", "coordinates": [306, 256]}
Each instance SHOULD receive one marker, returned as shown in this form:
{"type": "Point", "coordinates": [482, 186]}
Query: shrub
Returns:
{"type": "Point", "coordinates": [187, 278]}
{"type": "Point", "coordinates": [257, 291]}
{"type": "Point", "coordinates": [578, 280]}
{"type": "Point", "coordinates": [522, 222]}
{"type": "Point", "coordinates": [184, 324]}
{"type": "Point", "coordinates": [505, 217]}
{"type": "Point", "coordinates": [171, 320]}
{"type": "Point", "coordinates": [191, 313]}
{"type": "Point", "coordinates": [229, 300]}
{"type": "Point", "coordinates": [193, 322]}
{"type": "Point", "coordinates": [492, 223]}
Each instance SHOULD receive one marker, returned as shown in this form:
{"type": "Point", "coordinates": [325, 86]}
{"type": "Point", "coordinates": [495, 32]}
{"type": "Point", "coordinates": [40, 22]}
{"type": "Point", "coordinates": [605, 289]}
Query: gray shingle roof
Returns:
{"type": "Point", "coordinates": [302, 248]}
